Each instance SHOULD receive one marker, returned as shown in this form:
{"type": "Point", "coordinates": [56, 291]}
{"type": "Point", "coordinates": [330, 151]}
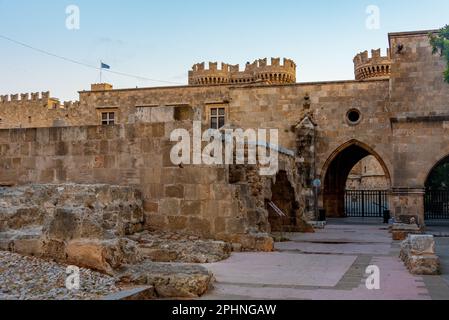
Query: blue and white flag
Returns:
{"type": "Point", "coordinates": [105, 66]}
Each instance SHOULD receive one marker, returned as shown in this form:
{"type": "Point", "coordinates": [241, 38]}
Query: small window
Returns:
{"type": "Point", "coordinates": [217, 118]}
{"type": "Point", "coordinates": [108, 118]}
{"type": "Point", "coordinates": [353, 117]}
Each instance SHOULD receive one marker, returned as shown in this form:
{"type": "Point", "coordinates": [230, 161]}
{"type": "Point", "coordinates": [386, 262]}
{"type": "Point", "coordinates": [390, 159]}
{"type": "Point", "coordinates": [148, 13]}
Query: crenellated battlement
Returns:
{"type": "Point", "coordinates": [25, 97]}
{"type": "Point", "coordinates": [258, 71]}
{"type": "Point", "coordinates": [42, 99]}
{"type": "Point", "coordinates": [70, 104]}
{"type": "Point", "coordinates": [374, 67]}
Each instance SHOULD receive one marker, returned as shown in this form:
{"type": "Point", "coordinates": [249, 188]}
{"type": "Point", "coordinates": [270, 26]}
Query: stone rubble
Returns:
{"type": "Point", "coordinates": [29, 278]}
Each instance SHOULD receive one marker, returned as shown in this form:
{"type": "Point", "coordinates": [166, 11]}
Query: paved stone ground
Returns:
{"type": "Point", "coordinates": [328, 265]}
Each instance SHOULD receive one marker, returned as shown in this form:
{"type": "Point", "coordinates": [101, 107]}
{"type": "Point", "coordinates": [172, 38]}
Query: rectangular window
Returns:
{"type": "Point", "coordinates": [108, 118]}
{"type": "Point", "coordinates": [217, 118]}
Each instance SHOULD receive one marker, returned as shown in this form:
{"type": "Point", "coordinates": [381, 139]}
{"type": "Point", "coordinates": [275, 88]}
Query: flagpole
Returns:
{"type": "Point", "coordinates": [101, 71]}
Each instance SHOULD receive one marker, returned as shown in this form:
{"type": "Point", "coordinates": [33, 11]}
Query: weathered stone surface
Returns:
{"type": "Point", "coordinates": [254, 242]}
{"type": "Point", "coordinates": [169, 280]}
{"type": "Point", "coordinates": [70, 211]}
{"type": "Point", "coordinates": [104, 256]}
{"type": "Point", "coordinates": [82, 224]}
{"type": "Point", "coordinates": [418, 254]}
{"type": "Point", "coordinates": [422, 244]}
{"type": "Point", "coordinates": [401, 231]}
{"type": "Point", "coordinates": [170, 247]}
{"type": "Point", "coordinates": [424, 265]}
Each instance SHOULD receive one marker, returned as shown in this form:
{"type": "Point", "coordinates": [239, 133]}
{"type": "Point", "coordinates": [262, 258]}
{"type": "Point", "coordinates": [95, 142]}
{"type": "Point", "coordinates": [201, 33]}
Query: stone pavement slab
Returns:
{"type": "Point", "coordinates": [282, 269]}
{"type": "Point", "coordinates": [327, 265]}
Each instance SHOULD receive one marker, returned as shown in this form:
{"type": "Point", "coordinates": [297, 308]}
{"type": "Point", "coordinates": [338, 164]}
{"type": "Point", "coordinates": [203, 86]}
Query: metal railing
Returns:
{"type": "Point", "coordinates": [366, 203]}
{"type": "Point", "coordinates": [436, 205]}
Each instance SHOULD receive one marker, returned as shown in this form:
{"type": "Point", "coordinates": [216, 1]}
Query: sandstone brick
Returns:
{"type": "Point", "coordinates": [174, 191]}
{"type": "Point", "coordinates": [177, 223]}
{"type": "Point", "coordinates": [191, 208]}
{"type": "Point", "coordinates": [150, 206]}
{"type": "Point", "coordinates": [170, 206]}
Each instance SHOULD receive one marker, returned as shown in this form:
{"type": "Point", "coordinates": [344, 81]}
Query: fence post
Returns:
{"type": "Point", "coordinates": [380, 204]}
{"type": "Point", "coordinates": [363, 204]}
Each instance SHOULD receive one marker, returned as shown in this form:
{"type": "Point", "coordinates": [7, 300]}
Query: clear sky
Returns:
{"type": "Point", "coordinates": [163, 39]}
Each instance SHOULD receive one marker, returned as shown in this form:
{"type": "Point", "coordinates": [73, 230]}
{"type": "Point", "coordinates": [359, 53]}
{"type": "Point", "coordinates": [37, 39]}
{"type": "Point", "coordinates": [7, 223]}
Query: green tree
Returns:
{"type": "Point", "coordinates": [440, 44]}
{"type": "Point", "coordinates": [439, 178]}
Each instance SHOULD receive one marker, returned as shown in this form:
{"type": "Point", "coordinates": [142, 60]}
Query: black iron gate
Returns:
{"type": "Point", "coordinates": [366, 203]}
{"type": "Point", "coordinates": [436, 205]}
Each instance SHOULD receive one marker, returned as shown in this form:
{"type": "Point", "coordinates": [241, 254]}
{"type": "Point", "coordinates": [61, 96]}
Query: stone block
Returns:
{"type": "Point", "coordinates": [191, 208]}
{"type": "Point", "coordinates": [424, 265]}
{"type": "Point", "coordinates": [201, 227]}
{"type": "Point", "coordinates": [103, 256]}
{"type": "Point", "coordinates": [150, 206]}
{"type": "Point", "coordinates": [155, 221]}
{"type": "Point", "coordinates": [401, 231]}
{"type": "Point", "coordinates": [177, 223]}
{"type": "Point", "coordinates": [169, 280]}
{"type": "Point", "coordinates": [29, 247]}
{"type": "Point", "coordinates": [418, 254]}
{"type": "Point", "coordinates": [422, 244]}
{"type": "Point", "coordinates": [170, 207]}
{"type": "Point", "coordinates": [174, 191]}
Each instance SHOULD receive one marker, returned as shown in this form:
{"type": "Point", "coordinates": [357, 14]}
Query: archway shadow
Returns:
{"type": "Point", "coordinates": [336, 171]}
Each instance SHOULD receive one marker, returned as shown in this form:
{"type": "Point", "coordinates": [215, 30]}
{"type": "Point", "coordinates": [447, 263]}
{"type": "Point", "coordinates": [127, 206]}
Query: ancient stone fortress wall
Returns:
{"type": "Point", "coordinates": [420, 99]}
{"type": "Point", "coordinates": [258, 71]}
{"type": "Point", "coordinates": [193, 199]}
{"type": "Point", "coordinates": [37, 110]}
{"type": "Point", "coordinates": [374, 67]}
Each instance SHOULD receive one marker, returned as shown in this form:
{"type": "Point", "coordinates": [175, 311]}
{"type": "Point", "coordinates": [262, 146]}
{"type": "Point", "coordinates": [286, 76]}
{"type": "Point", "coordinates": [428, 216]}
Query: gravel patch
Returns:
{"type": "Point", "coordinates": [28, 278]}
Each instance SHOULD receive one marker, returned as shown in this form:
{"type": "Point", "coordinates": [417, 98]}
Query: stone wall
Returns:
{"type": "Point", "coordinates": [38, 110]}
{"type": "Point", "coordinates": [403, 123]}
{"type": "Point", "coordinates": [191, 199]}
{"type": "Point", "coordinates": [420, 123]}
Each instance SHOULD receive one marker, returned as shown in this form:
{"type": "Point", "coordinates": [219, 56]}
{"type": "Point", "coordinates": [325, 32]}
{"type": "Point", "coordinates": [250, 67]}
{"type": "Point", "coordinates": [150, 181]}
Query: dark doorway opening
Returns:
{"type": "Point", "coordinates": [283, 198]}
{"type": "Point", "coordinates": [436, 199]}
{"type": "Point", "coordinates": [341, 202]}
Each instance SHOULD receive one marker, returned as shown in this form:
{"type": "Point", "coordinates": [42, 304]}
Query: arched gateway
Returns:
{"type": "Point", "coordinates": [335, 174]}
{"type": "Point", "coordinates": [436, 199]}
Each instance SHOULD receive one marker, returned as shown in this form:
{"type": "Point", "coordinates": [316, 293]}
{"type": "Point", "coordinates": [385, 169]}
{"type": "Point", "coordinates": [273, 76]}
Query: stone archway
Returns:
{"type": "Point", "coordinates": [336, 172]}
{"type": "Point", "coordinates": [436, 199]}
{"type": "Point", "coordinates": [283, 197]}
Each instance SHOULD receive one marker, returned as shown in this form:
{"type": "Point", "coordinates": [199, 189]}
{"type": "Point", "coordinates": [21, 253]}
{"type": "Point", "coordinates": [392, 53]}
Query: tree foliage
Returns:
{"type": "Point", "coordinates": [440, 44]}
{"type": "Point", "coordinates": [439, 178]}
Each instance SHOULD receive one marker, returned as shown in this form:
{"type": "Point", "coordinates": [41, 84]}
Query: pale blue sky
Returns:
{"type": "Point", "coordinates": [163, 39]}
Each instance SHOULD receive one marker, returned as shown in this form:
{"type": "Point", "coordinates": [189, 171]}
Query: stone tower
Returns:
{"type": "Point", "coordinates": [258, 71]}
{"type": "Point", "coordinates": [376, 67]}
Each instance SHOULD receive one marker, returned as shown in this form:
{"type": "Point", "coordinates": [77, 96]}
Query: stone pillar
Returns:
{"type": "Point", "coordinates": [408, 202]}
